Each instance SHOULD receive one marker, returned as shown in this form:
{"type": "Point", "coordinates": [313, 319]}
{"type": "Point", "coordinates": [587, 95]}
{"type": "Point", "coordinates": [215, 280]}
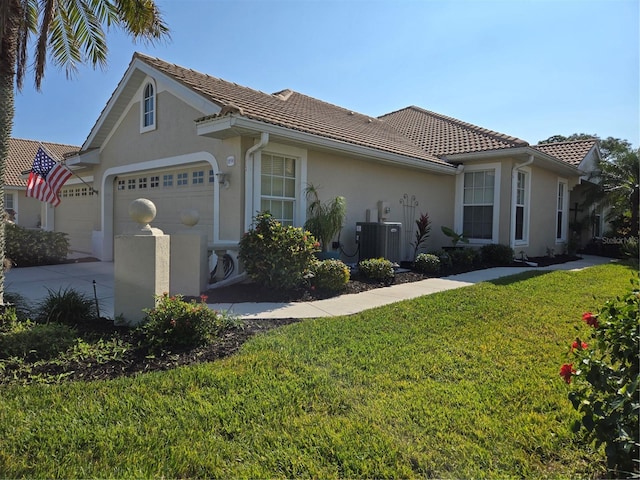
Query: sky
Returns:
{"type": "Point", "coordinates": [526, 68]}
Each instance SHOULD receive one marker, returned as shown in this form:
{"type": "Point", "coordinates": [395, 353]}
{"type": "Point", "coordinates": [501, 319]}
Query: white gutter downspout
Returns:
{"type": "Point", "coordinates": [249, 181]}
{"type": "Point", "coordinates": [459, 192]}
{"type": "Point", "coordinates": [514, 188]}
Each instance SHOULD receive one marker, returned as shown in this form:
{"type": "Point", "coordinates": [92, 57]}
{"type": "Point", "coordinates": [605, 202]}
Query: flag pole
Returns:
{"type": "Point", "coordinates": [51, 154]}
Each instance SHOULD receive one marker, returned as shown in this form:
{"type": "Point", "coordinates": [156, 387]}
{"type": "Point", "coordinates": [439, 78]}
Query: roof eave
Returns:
{"type": "Point", "coordinates": [549, 161]}
{"type": "Point", "coordinates": [235, 125]}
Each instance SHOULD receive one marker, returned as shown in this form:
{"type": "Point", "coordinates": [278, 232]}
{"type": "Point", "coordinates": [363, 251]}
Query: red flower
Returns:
{"type": "Point", "coordinates": [566, 371]}
{"type": "Point", "coordinates": [590, 319]}
{"type": "Point", "coordinates": [203, 298]}
{"type": "Point", "coordinates": [579, 345]}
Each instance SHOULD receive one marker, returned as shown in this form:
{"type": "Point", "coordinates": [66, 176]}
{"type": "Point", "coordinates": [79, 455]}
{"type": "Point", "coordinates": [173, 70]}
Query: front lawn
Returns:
{"type": "Point", "coordinates": [458, 384]}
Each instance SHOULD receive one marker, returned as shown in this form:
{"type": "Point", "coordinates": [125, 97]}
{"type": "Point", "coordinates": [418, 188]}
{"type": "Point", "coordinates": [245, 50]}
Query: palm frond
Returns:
{"type": "Point", "coordinates": [141, 19]}
{"type": "Point", "coordinates": [48, 8]}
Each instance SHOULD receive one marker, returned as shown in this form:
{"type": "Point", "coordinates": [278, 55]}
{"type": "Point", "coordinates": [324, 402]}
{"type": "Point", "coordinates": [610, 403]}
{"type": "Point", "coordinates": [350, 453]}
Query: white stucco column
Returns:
{"type": "Point", "coordinates": [189, 262]}
{"type": "Point", "coordinates": [141, 265]}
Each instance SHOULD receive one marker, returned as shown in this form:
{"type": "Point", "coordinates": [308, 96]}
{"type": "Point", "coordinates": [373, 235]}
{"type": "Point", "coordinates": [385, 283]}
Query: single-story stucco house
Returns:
{"type": "Point", "coordinates": [187, 140]}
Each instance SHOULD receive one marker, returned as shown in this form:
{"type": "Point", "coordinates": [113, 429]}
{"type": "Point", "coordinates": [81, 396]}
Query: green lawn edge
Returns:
{"type": "Point", "coordinates": [457, 384]}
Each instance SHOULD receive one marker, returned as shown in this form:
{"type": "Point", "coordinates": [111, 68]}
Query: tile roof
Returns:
{"type": "Point", "coordinates": [570, 152]}
{"type": "Point", "coordinates": [440, 135]}
{"type": "Point", "coordinates": [21, 155]}
{"type": "Point", "coordinates": [296, 111]}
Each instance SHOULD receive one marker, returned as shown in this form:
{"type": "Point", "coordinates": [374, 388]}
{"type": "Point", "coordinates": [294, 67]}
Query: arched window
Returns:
{"type": "Point", "coordinates": [148, 108]}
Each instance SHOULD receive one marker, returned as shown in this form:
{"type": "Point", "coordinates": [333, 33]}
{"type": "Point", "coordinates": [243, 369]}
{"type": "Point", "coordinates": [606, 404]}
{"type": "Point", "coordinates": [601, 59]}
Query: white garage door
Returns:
{"type": "Point", "coordinates": [172, 191]}
{"type": "Point", "coordinates": [77, 216]}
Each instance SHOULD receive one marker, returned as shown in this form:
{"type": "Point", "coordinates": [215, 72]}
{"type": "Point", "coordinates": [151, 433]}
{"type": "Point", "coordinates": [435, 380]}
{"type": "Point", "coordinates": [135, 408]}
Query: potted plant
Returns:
{"type": "Point", "coordinates": [324, 220]}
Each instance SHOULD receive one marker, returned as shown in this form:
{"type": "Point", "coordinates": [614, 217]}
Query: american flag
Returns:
{"type": "Point", "coordinates": [46, 178]}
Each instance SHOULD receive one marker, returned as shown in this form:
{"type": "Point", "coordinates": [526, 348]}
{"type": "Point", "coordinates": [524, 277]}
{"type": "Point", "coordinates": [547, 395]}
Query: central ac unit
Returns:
{"type": "Point", "coordinates": [379, 240]}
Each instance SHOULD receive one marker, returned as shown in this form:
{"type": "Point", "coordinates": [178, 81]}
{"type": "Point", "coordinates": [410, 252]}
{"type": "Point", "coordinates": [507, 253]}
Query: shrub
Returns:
{"type": "Point", "coordinates": [496, 254]}
{"type": "Point", "coordinates": [427, 263]}
{"type": "Point", "coordinates": [67, 306]}
{"type": "Point", "coordinates": [276, 256]}
{"type": "Point", "coordinates": [377, 268]}
{"type": "Point", "coordinates": [19, 304]}
{"type": "Point", "coordinates": [27, 248]}
{"type": "Point", "coordinates": [607, 382]}
{"type": "Point", "coordinates": [444, 257]}
{"type": "Point", "coordinates": [630, 250]}
{"type": "Point", "coordinates": [331, 275]}
{"type": "Point", "coordinates": [35, 342]}
{"type": "Point", "coordinates": [8, 320]}
{"type": "Point", "coordinates": [465, 257]}
{"type": "Point", "coordinates": [175, 322]}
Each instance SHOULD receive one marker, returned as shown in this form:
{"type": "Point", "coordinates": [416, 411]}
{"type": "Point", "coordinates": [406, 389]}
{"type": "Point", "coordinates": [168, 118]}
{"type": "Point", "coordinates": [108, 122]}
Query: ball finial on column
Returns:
{"type": "Point", "coordinates": [143, 211]}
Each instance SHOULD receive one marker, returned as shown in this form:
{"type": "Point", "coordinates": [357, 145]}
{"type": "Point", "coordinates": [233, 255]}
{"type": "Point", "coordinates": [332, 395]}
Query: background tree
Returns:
{"type": "Point", "coordinates": [71, 32]}
{"type": "Point", "coordinates": [616, 179]}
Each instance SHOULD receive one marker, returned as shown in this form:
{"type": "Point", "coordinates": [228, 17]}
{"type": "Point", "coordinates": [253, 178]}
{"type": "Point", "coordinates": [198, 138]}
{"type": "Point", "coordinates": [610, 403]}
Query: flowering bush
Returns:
{"type": "Point", "coordinates": [177, 323]}
{"type": "Point", "coordinates": [277, 256]}
{"type": "Point", "coordinates": [331, 275]}
{"type": "Point", "coordinates": [377, 269]}
{"type": "Point", "coordinates": [427, 263]}
{"type": "Point", "coordinates": [607, 384]}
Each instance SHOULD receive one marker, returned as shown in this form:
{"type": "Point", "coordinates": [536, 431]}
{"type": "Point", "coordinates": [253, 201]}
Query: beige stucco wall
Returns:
{"type": "Point", "coordinates": [175, 140]}
{"type": "Point", "coordinates": [544, 195]}
{"type": "Point", "coordinates": [364, 183]}
{"type": "Point", "coordinates": [28, 209]}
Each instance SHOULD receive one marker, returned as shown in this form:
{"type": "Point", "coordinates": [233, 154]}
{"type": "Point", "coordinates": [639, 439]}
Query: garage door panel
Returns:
{"type": "Point", "coordinates": [76, 216]}
{"type": "Point", "coordinates": [170, 201]}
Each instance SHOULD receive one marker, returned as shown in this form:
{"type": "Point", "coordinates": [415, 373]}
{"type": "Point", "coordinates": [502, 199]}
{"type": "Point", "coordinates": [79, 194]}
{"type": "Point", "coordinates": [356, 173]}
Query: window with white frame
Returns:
{"type": "Point", "coordinates": [478, 204]}
{"type": "Point", "coordinates": [561, 212]}
{"type": "Point", "coordinates": [154, 181]}
{"type": "Point", "coordinates": [148, 108]}
{"type": "Point", "coordinates": [167, 180]}
{"type": "Point", "coordinates": [9, 201]}
{"type": "Point", "coordinates": [278, 187]}
{"type": "Point", "coordinates": [131, 184]}
{"type": "Point", "coordinates": [121, 184]}
{"type": "Point", "coordinates": [212, 177]}
{"type": "Point", "coordinates": [521, 210]}
{"type": "Point", "coordinates": [596, 229]}
{"type": "Point", "coordinates": [142, 182]}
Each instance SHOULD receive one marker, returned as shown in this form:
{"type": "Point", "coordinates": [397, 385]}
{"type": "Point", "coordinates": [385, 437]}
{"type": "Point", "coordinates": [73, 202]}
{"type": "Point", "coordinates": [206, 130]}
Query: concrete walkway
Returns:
{"type": "Point", "coordinates": [33, 284]}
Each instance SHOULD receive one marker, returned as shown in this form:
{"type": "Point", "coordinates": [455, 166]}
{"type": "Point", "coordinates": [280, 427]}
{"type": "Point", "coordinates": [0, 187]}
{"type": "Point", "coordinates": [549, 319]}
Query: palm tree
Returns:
{"type": "Point", "coordinates": [618, 182]}
{"type": "Point", "coordinates": [71, 32]}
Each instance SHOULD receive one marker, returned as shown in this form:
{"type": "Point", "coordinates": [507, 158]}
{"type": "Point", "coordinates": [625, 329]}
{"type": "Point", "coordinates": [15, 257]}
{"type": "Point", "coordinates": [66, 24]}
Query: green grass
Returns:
{"type": "Point", "coordinates": [458, 384]}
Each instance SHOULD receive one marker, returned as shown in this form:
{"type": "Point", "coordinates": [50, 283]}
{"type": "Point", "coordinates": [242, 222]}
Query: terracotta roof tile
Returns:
{"type": "Point", "coordinates": [440, 135]}
{"type": "Point", "coordinates": [570, 152]}
{"type": "Point", "coordinates": [21, 155]}
{"type": "Point", "coordinates": [296, 111]}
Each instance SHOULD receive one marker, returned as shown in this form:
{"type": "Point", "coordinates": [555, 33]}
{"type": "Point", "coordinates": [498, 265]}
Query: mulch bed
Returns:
{"type": "Point", "coordinates": [138, 360]}
{"type": "Point", "coordinates": [250, 292]}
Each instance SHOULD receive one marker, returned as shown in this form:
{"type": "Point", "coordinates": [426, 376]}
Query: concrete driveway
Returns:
{"type": "Point", "coordinates": [34, 283]}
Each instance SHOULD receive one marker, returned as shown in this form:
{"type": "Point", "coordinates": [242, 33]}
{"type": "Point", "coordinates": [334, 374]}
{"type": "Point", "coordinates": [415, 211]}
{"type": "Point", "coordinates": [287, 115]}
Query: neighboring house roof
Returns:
{"type": "Point", "coordinates": [295, 111]}
{"type": "Point", "coordinates": [21, 155]}
{"type": "Point", "coordinates": [441, 136]}
{"type": "Point", "coordinates": [573, 152]}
